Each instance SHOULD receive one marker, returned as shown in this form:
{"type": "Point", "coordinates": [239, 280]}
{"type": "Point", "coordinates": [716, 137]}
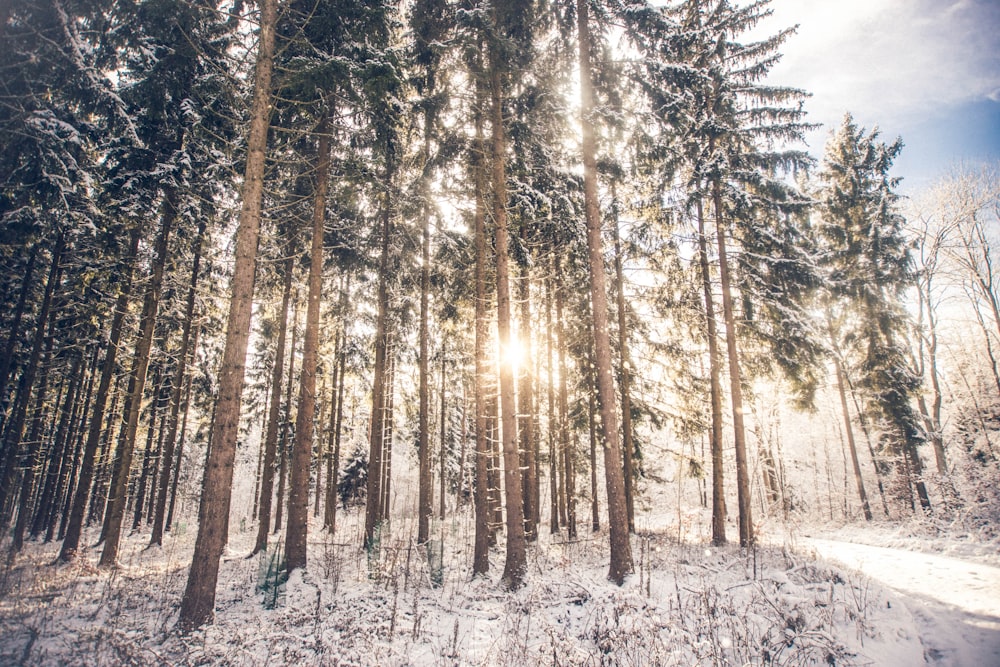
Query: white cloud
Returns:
{"type": "Point", "coordinates": [889, 61]}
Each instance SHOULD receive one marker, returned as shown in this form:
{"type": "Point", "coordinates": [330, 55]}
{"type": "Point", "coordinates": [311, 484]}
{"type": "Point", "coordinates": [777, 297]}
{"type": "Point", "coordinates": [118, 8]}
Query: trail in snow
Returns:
{"type": "Point", "coordinates": [956, 603]}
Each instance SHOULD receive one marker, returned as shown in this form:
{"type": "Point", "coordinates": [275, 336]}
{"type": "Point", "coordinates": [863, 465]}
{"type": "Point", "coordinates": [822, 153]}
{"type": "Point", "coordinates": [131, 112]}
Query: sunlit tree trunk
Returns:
{"type": "Point", "coordinates": [715, 386]}
{"type": "Point", "coordinates": [298, 495]}
{"type": "Point", "coordinates": [621, 549]}
{"type": "Point", "coordinates": [481, 556]}
{"type": "Point", "coordinates": [628, 446]}
{"type": "Point", "coordinates": [735, 378]}
{"type": "Point", "coordinates": [198, 602]}
{"type": "Point", "coordinates": [515, 565]}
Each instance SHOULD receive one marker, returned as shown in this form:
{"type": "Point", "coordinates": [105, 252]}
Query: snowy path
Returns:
{"type": "Point", "coordinates": [956, 603]}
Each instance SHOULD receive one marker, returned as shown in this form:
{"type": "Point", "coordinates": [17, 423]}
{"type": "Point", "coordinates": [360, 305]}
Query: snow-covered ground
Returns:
{"type": "Point", "coordinates": [687, 604]}
{"type": "Point", "coordinates": [956, 602]}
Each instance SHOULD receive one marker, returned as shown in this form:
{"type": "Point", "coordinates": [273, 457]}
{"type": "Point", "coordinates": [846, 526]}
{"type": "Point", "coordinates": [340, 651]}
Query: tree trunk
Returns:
{"type": "Point", "coordinates": [595, 515]}
{"type": "Point", "coordinates": [58, 454]}
{"type": "Point", "coordinates": [481, 555]}
{"type": "Point", "coordinates": [859, 480]}
{"type": "Point", "coordinates": [167, 457]}
{"type": "Point", "coordinates": [515, 565]}
{"type": "Point", "coordinates": [148, 455]}
{"type": "Point", "coordinates": [32, 457]}
{"type": "Point", "coordinates": [68, 477]}
{"type": "Point", "coordinates": [715, 387]}
{"type": "Point", "coordinates": [621, 549]}
{"type": "Point", "coordinates": [735, 379]}
{"type": "Point", "coordinates": [554, 504]}
{"type": "Point", "coordinates": [373, 501]}
{"type": "Point", "coordinates": [6, 361]}
{"type": "Point", "coordinates": [628, 446]}
{"type": "Point", "coordinates": [137, 383]}
{"type": "Point", "coordinates": [568, 452]}
{"type": "Point", "coordinates": [270, 443]}
{"type": "Point", "coordinates": [14, 435]}
{"type": "Point", "coordinates": [180, 439]}
{"type": "Point", "coordinates": [526, 405]}
{"type": "Point", "coordinates": [298, 497]}
{"type": "Point", "coordinates": [74, 526]}
{"type": "Point", "coordinates": [284, 442]}
{"type": "Point", "coordinates": [197, 605]}
{"type": "Point", "coordinates": [337, 414]}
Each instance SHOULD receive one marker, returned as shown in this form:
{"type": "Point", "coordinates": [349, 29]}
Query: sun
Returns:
{"type": "Point", "coordinates": [512, 354]}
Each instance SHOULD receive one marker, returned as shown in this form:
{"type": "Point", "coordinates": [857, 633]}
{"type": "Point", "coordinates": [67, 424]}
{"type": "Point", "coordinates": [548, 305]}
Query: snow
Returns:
{"type": "Point", "coordinates": [686, 604]}
{"type": "Point", "coordinates": [957, 603]}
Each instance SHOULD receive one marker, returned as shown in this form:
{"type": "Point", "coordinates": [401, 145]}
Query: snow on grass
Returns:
{"type": "Point", "coordinates": [686, 604]}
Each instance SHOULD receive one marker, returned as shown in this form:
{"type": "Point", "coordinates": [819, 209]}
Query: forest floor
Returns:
{"type": "Point", "coordinates": [687, 604]}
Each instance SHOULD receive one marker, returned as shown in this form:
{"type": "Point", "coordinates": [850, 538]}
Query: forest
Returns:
{"type": "Point", "coordinates": [522, 306]}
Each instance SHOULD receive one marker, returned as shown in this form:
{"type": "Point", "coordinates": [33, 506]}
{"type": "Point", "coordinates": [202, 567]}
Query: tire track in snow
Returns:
{"type": "Point", "coordinates": [956, 603]}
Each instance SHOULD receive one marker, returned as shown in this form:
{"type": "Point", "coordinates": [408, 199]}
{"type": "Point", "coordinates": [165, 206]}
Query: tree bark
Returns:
{"type": "Point", "coordinates": [715, 387]}
{"type": "Point", "coordinates": [284, 441]}
{"type": "Point", "coordinates": [197, 605]}
{"type": "Point", "coordinates": [621, 549]}
{"type": "Point", "coordinates": [735, 379]}
{"type": "Point", "coordinates": [14, 435]}
{"type": "Point", "coordinates": [74, 527]}
{"type": "Point", "coordinates": [526, 405]}
{"type": "Point", "coordinates": [298, 497]}
{"type": "Point", "coordinates": [481, 555]}
{"type": "Point", "coordinates": [167, 459]}
{"type": "Point", "coordinates": [137, 383]}
{"type": "Point", "coordinates": [373, 501]}
{"type": "Point", "coordinates": [515, 565]}
{"type": "Point", "coordinates": [628, 446]}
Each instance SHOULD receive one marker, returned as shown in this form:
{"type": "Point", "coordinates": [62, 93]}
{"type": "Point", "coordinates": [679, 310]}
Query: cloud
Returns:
{"type": "Point", "coordinates": [889, 61]}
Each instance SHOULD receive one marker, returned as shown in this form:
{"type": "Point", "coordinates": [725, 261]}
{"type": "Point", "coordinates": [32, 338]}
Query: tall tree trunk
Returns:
{"type": "Point", "coordinates": [735, 379]}
{"type": "Point", "coordinates": [444, 433]}
{"type": "Point", "coordinates": [373, 501]}
{"type": "Point", "coordinates": [167, 457]}
{"type": "Point", "coordinates": [481, 555]}
{"type": "Point", "coordinates": [197, 605]}
{"type": "Point", "coordinates": [715, 387]}
{"type": "Point", "coordinates": [137, 382]}
{"type": "Point", "coordinates": [628, 446]}
{"type": "Point", "coordinates": [863, 422]}
{"type": "Point", "coordinates": [149, 455]}
{"type": "Point", "coordinates": [595, 515]}
{"type": "Point", "coordinates": [14, 435]}
{"type": "Point", "coordinates": [526, 405]}
{"type": "Point", "coordinates": [70, 472]}
{"type": "Point", "coordinates": [6, 361]}
{"type": "Point", "coordinates": [621, 549]}
{"type": "Point", "coordinates": [180, 438]}
{"type": "Point", "coordinates": [59, 453]}
{"type": "Point", "coordinates": [423, 413]}
{"type": "Point", "coordinates": [337, 415]}
{"type": "Point", "coordinates": [568, 452]}
{"type": "Point", "coordinates": [298, 497]}
{"type": "Point", "coordinates": [34, 447]}
{"type": "Point", "coordinates": [554, 504]}
{"type": "Point", "coordinates": [74, 526]}
{"type": "Point", "coordinates": [515, 565]}
{"type": "Point", "coordinates": [273, 417]}
{"type": "Point", "coordinates": [389, 425]}
{"type": "Point", "coordinates": [284, 442]}
{"type": "Point", "coordinates": [858, 479]}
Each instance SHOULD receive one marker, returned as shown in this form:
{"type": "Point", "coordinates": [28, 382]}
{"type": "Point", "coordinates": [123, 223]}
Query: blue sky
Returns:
{"type": "Point", "coordinates": [926, 70]}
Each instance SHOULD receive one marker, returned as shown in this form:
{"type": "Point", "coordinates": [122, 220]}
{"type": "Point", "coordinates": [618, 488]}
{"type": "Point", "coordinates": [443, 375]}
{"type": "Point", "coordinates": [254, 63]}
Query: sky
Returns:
{"type": "Point", "coordinates": [925, 70]}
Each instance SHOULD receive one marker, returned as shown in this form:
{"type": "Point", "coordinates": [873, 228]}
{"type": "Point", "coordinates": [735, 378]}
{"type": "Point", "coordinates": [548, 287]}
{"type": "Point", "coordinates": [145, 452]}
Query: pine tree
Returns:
{"type": "Point", "coordinates": [870, 268]}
